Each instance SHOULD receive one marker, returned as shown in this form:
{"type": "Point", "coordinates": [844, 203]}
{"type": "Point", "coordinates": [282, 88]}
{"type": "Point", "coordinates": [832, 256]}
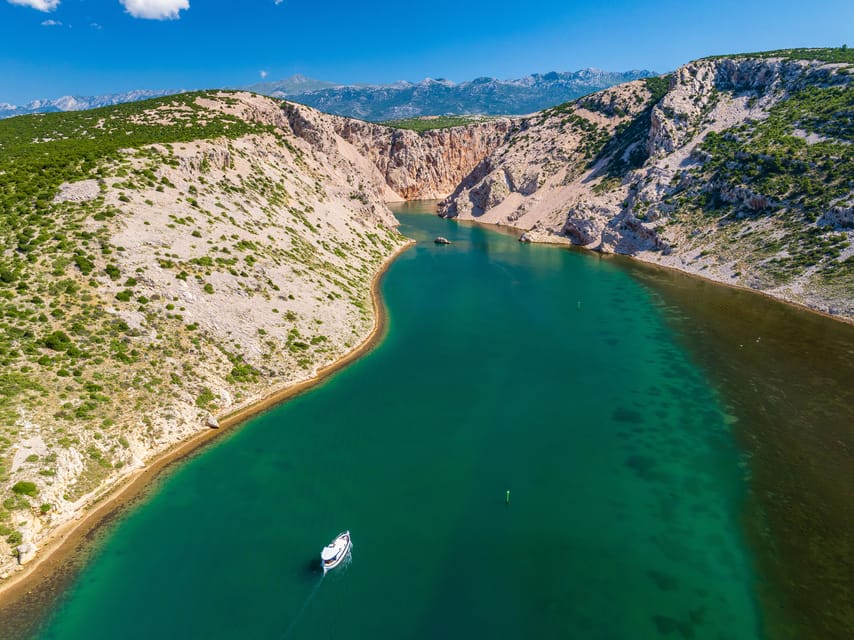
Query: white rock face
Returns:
{"type": "Point", "coordinates": [414, 166]}
{"type": "Point", "coordinates": [81, 191]}
{"type": "Point", "coordinates": [31, 447]}
{"type": "Point", "coordinates": [26, 552]}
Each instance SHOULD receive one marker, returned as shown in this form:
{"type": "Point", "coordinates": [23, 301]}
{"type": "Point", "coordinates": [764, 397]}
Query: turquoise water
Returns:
{"type": "Point", "coordinates": [538, 370]}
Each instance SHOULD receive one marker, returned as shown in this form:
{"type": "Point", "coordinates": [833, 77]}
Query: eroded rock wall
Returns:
{"type": "Point", "coordinates": [414, 165]}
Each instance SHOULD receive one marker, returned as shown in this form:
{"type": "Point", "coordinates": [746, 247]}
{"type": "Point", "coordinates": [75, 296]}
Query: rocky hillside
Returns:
{"type": "Point", "coordinates": [738, 169]}
{"type": "Point", "coordinates": [162, 263]}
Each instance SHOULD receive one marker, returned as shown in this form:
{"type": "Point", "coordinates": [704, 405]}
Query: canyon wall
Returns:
{"type": "Point", "coordinates": [415, 165]}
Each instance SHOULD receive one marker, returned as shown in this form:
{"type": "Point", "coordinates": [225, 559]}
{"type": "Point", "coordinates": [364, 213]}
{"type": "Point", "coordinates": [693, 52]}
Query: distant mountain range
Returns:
{"type": "Point", "coordinates": [79, 103]}
{"type": "Point", "coordinates": [438, 97]}
{"type": "Point", "coordinates": [392, 101]}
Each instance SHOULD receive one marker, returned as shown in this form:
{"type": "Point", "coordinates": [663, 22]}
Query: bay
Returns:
{"type": "Point", "coordinates": [549, 373]}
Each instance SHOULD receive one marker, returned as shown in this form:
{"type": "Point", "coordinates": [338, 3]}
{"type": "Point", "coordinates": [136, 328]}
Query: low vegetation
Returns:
{"type": "Point", "coordinates": [425, 123]}
{"type": "Point", "coordinates": [839, 54]}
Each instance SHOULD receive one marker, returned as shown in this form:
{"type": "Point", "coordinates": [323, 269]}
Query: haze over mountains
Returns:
{"type": "Point", "coordinates": [391, 101]}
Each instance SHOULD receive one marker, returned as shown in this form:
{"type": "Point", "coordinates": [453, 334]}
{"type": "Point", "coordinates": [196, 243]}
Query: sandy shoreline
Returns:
{"type": "Point", "coordinates": [738, 287]}
{"type": "Point", "coordinates": [70, 538]}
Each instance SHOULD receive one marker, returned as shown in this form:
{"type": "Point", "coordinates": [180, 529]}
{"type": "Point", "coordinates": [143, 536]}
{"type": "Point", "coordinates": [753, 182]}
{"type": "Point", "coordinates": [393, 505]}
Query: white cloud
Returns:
{"type": "Point", "coordinates": [278, 2]}
{"type": "Point", "coordinates": [95, 25]}
{"type": "Point", "coordinates": [41, 5]}
{"type": "Point", "coordinates": [51, 23]}
{"type": "Point", "coordinates": [155, 9]}
{"type": "Point", "coordinates": [263, 74]}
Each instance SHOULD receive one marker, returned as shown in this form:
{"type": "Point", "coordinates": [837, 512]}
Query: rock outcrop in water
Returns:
{"type": "Point", "coordinates": [736, 169]}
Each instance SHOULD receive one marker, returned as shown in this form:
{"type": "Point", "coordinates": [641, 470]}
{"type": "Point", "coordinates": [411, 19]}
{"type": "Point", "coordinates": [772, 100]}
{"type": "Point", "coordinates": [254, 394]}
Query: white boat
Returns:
{"type": "Point", "coordinates": [336, 551]}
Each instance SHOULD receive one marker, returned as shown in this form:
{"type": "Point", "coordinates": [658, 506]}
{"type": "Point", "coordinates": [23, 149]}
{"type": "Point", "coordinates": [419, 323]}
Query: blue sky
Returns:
{"type": "Point", "coordinates": [50, 48]}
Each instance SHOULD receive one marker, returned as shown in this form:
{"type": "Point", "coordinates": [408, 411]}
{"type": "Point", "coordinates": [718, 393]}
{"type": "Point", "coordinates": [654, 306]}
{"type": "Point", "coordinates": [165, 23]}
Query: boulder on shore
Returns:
{"type": "Point", "coordinates": [212, 422]}
{"type": "Point", "coordinates": [26, 552]}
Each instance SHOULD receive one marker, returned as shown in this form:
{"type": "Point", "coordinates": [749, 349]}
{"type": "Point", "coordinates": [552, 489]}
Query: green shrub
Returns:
{"type": "Point", "coordinates": [57, 341]}
{"type": "Point", "coordinates": [25, 488]}
{"type": "Point", "coordinates": [205, 398]}
{"type": "Point", "coordinates": [243, 373]}
{"type": "Point", "coordinates": [84, 264]}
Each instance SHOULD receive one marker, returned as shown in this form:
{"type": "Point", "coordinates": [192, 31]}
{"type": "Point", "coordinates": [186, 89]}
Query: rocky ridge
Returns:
{"type": "Point", "coordinates": [731, 168]}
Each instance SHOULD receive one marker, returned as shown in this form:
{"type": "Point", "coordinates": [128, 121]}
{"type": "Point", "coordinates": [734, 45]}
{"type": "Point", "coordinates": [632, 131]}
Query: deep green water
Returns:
{"type": "Point", "coordinates": [547, 372]}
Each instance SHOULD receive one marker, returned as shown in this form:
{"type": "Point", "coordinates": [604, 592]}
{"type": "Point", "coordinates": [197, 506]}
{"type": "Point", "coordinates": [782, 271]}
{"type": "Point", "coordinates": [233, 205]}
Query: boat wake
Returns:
{"type": "Point", "coordinates": [302, 610]}
{"type": "Point", "coordinates": [336, 554]}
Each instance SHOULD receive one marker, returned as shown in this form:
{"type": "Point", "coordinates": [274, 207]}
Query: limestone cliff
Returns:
{"type": "Point", "coordinates": [737, 169]}
{"type": "Point", "coordinates": [425, 165]}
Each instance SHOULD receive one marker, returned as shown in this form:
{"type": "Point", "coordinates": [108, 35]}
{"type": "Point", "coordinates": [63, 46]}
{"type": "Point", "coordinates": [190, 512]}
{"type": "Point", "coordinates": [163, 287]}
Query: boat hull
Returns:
{"type": "Point", "coordinates": [336, 551]}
